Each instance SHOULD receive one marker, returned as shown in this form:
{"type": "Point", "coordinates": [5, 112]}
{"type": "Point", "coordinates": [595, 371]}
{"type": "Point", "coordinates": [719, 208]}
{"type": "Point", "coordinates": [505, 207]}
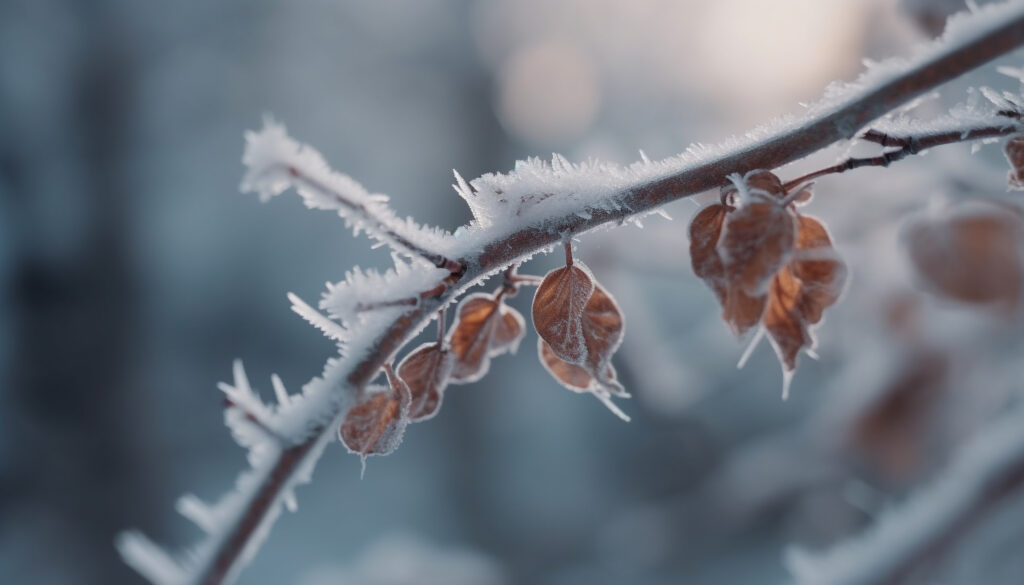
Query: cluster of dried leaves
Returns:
{"type": "Point", "coordinates": [768, 265]}
{"type": "Point", "coordinates": [580, 327]}
{"type": "Point", "coordinates": [485, 327]}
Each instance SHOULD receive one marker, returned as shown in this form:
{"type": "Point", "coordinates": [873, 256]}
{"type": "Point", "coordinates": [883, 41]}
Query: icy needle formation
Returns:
{"type": "Point", "coordinates": [517, 215]}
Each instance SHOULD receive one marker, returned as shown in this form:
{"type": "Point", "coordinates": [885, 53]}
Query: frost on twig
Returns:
{"type": "Point", "coordinates": [275, 162]}
{"type": "Point", "coordinates": [230, 521]}
{"type": "Point", "coordinates": [368, 291]}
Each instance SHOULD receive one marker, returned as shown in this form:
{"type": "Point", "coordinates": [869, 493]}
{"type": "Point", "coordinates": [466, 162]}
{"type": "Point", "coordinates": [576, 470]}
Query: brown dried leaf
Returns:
{"type": "Point", "coordinates": [705, 230]}
{"type": "Point", "coordinates": [1015, 155]}
{"type": "Point", "coordinates": [765, 182]}
{"type": "Point", "coordinates": [602, 333]}
{"type": "Point", "coordinates": [760, 182]}
{"type": "Point", "coordinates": [584, 335]}
{"type": "Point", "coordinates": [783, 319]}
{"type": "Point", "coordinates": [470, 336]}
{"type": "Point", "coordinates": [569, 375]}
{"type": "Point", "coordinates": [484, 328]}
{"type": "Point", "coordinates": [558, 310]}
{"type": "Point", "coordinates": [578, 379]}
{"type": "Point", "coordinates": [375, 425]}
{"type": "Point", "coordinates": [758, 241]}
{"type": "Point", "coordinates": [802, 290]}
{"type": "Point", "coordinates": [509, 331]}
{"type": "Point", "coordinates": [972, 253]}
{"type": "Point", "coordinates": [821, 272]}
{"type": "Point", "coordinates": [426, 371]}
{"type": "Point", "coordinates": [742, 311]}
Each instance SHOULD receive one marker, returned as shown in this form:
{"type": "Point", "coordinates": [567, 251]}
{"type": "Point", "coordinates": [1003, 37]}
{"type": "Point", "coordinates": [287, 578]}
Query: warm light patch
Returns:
{"type": "Point", "coordinates": [775, 50]}
{"type": "Point", "coordinates": [548, 93]}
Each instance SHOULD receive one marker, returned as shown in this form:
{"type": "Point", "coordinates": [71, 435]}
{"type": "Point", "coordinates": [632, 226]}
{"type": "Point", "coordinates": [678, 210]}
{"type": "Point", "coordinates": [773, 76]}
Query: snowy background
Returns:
{"type": "Point", "coordinates": [132, 272]}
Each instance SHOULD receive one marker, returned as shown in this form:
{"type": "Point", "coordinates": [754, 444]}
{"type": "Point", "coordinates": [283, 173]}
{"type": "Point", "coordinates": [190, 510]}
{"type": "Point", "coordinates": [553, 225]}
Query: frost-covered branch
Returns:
{"type": "Point", "coordinates": [529, 210]}
{"type": "Point", "coordinates": [276, 162]}
{"type": "Point", "coordinates": [985, 472]}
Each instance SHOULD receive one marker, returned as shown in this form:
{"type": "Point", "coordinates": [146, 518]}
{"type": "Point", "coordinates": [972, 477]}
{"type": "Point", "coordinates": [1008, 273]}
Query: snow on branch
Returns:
{"type": "Point", "coordinates": [363, 291]}
{"type": "Point", "coordinates": [517, 215]}
{"type": "Point", "coordinates": [236, 525]}
{"type": "Point", "coordinates": [987, 470]}
{"type": "Point", "coordinates": [275, 162]}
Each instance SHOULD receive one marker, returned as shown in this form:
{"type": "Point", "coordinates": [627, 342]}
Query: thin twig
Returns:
{"type": "Point", "coordinates": [436, 258]}
{"type": "Point", "coordinates": [527, 279]}
{"type": "Point", "coordinates": [442, 326]}
{"type": "Point", "coordinates": [406, 302]}
{"type": "Point", "coordinates": [905, 146]}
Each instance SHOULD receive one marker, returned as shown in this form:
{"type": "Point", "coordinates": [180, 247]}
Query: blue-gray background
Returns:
{"type": "Point", "coordinates": [132, 273]}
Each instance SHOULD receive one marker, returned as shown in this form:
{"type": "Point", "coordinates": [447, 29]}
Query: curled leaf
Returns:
{"type": "Point", "coordinates": [705, 230]}
{"type": "Point", "coordinates": [569, 375]}
{"type": "Point", "coordinates": [766, 263]}
{"type": "Point", "coordinates": [757, 241]}
{"type": "Point", "coordinates": [783, 319]}
{"type": "Point", "coordinates": [821, 272]}
{"type": "Point", "coordinates": [1015, 155]}
{"type": "Point", "coordinates": [603, 329]}
{"type": "Point", "coordinates": [584, 335]}
{"type": "Point", "coordinates": [485, 327]}
{"type": "Point", "coordinates": [761, 183]}
{"type": "Point", "coordinates": [742, 311]}
{"type": "Point", "coordinates": [576, 378]}
{"type": "Point", "coordinates": [970, 253]}
{"type": "Point", "coordinates": [765, 182]}
{"type": "Point", "coordinates": [426, 371]}
{"type": "Point", "coordinates": [558, 310]}
{"type": "Point", "coordinates": [376, 424]}
{"type": "Point", "coordinates": [509, 332]}
{"type": "Point", "coordinates": [802, 290]}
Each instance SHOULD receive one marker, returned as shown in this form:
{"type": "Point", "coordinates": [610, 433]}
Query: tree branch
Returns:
{"type": "Point", "coordinates": [396, 238]}
{"type": "Point", "coordinates": [278, 162]}
{"type": "Point", "coordinates": [260, 496]}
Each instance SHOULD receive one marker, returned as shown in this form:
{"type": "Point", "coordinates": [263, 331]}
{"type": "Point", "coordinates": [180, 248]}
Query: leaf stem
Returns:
{"type": "Point", "coordinates": [442, 326]}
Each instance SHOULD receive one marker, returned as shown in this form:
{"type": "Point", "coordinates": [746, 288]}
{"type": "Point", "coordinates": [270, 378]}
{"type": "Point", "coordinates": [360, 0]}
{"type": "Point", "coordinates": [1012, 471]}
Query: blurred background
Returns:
{"type": "Point", "coordinates": [132, 272]}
